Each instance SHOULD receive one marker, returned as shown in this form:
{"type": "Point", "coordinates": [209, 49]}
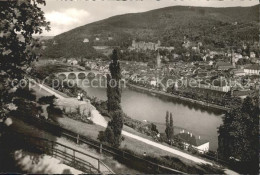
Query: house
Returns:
{"type": "Point", "coordinates": [165, 48]}
{"type": "Point", "coordinates": [238, 72]}
{"type": "Point", "coordinates": [241, 93]}
{"type": "Point", "coordinates": [201, 145]}
{"type": "Point", "coordinates": [72, 62]}
{"type": "Point", "coordinates": [187, 54]}
{"type": "Point", "coordinates": [194, 48]}
{"type": "Point", "coordinates": [86, 40]}
{"type": "Point", "coordinates": [186, 44]}
{"type": "Point", "coordinates": [134, 77]}
{"type": "Point", "coordinates": [255, 60]}
{"type": "Point", "coordinates": [153, 81]}
{"type": "Point", "coordinates": [252, 54]}
{"type": "Point", "coordinates": [204, 58]}
{"type": "Point", "coordinates": [237, 56]}
{"type": "Point", "coordinates": [216, 85]}
{"type": "Point", "coordinates": [101, 68]}
{"type": "Point", "coordinates": [97, 39]}
{"type": "Point", "coordinates": [252, 70]}
{"type": "Point", "coordinates": [223, 65]}
{"type": "Point", "coordinates": [211, 62]}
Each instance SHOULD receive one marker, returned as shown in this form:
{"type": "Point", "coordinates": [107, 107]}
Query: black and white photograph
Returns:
{"type": "Point", "coordinates": [129, 87]}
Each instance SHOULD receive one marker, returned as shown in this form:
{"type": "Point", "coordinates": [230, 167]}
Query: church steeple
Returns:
{"type": "Point", "coordinates": [158, 60]}
{"type": "Point", "coordinates": [232, 59]}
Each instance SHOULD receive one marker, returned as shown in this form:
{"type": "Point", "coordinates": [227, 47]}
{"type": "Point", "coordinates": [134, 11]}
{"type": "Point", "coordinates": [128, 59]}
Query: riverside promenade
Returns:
{"type": "Point", "coordinates": [164, 94]}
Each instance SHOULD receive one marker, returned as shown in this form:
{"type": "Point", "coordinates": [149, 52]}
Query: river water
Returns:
{"type": "Point", "coordinates": [193, 118]}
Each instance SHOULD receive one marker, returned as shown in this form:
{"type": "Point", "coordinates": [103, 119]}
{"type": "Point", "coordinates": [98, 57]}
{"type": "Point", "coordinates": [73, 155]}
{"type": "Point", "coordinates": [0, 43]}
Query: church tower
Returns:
{"type": "Point", "coordinates": [158, 60]}
{"type": "Point", "coordinates": [133, 43]}
{"type": "Point", "coordinates": [232, 59]}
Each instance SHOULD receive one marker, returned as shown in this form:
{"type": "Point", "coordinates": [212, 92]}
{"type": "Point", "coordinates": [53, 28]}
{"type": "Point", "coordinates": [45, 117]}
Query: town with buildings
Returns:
{"type": "Point", "coordinates": [219, 79]}
{"type": "Point", "coordinates": [229, 73]}
{"type": "Point", "coordinates": [155, 90]}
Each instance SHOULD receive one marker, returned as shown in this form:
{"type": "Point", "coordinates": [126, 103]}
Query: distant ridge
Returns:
{"type": "Point", "coordinates": [214, 27]}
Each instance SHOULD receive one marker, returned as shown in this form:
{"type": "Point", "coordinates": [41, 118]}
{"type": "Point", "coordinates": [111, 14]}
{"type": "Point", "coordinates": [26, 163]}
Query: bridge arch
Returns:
{"type": "Point", "coordinates": [72, 76]}
{"type": "Point", "coordinates": [101, 76]}
{"type": "Point", "coordinates": [81, 75]}
{"type": "Point", "coordinates": [62, 76]}
{"type": "Point", "coordinates": [91, 75]}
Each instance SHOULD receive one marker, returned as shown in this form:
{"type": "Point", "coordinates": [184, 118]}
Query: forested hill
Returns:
{"type": "Point", "coordinates": [214, 27]}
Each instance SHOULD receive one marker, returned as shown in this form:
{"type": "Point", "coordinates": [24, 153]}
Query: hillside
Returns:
{"type": "Point", "coordinates": [214, 27]}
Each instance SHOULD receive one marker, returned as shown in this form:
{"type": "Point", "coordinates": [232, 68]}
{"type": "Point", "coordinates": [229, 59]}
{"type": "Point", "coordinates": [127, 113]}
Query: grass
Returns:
{"type": "Point", "coordinates": [88, 130]}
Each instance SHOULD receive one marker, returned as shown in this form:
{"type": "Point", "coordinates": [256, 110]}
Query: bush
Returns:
{"type": "Point", "coordinates": [154, 128]}
{"type": "Point", "coordinates": [192, 150]}
{"type": "Point", "coordinates": [112, 134]}
{"type": "Point", "coordinates": [26, 108]}
{"type": "Point", "coordinates": [106, 136]}
{"type": "Point", "coordinates": [54, 113]}
{"type": "Point", "coordinates": [46, 100]}
{"type": "Point", "coordinates": [25, 93]}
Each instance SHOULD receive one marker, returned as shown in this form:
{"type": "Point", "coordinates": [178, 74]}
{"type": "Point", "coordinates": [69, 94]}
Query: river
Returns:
{"type": "Point", "coordinates": [193, 118]}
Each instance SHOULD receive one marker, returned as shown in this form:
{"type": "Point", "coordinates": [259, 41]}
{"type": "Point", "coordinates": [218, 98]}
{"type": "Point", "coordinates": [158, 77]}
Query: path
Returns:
{"type": "Point", "coordinates": [98, 119]}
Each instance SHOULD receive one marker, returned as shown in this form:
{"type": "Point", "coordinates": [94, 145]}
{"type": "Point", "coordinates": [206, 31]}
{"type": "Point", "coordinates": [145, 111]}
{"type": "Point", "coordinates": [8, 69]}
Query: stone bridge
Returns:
{"type": "Point", "coordinates": [80, 74]}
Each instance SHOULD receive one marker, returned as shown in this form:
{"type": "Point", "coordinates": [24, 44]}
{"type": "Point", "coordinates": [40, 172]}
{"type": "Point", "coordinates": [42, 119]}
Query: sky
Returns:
{"type": "Point", "coordinates": [65, 15]}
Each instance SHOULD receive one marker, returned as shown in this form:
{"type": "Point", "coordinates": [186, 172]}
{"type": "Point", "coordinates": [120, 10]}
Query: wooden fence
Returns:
{"type": "Point", "coordinates": [69, 156]}
{"type": "Point", "coordinates": [148, 165]}
{"type": "Point", "coordinates": [144, 164]}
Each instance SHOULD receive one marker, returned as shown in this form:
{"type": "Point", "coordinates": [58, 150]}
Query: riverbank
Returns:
{"type": "Point", "coordinates": [163, 94]}
{"type": "Point", "coordinates": [143, 142]}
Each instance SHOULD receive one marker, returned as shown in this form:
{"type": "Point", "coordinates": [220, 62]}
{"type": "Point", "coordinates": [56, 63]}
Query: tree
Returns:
{"type": "Point", "coordinates": [171, 128]}
{"type": "Point", "coordinates": [167, 125]}
{"type": "Point", "coordinates": [238, 136]}
{"type": "Point", "coordinates": [113, 103]}
{"type": "Point", "coordinates": [113, 84]}
{"type": "Point", "coordinates": [169, 131]}
{"type": "Point", "coordinates": [19, 20]}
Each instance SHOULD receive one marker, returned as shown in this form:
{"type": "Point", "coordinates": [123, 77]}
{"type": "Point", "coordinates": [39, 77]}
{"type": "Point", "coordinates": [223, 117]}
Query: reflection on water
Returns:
{"type": "Point", "coordinates": [192, 117]}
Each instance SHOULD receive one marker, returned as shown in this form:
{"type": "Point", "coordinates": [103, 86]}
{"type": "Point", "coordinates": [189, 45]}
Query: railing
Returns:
{"type": "Point", "coordinates": [153, 167]}
{"type": "Point", "coordinates": [70, 156]}
{"type": "Point", "coordinates": [146, 165]}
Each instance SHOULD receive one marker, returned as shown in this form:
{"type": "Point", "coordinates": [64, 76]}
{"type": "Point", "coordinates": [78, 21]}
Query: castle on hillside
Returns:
{"type": "Point", "coordinates": [142, 45]}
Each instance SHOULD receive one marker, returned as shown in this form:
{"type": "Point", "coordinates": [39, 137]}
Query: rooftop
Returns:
{"type": "Point", "coordinates": [253, 67]}
{"type": "Point", "coordinates": [191, 139]}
